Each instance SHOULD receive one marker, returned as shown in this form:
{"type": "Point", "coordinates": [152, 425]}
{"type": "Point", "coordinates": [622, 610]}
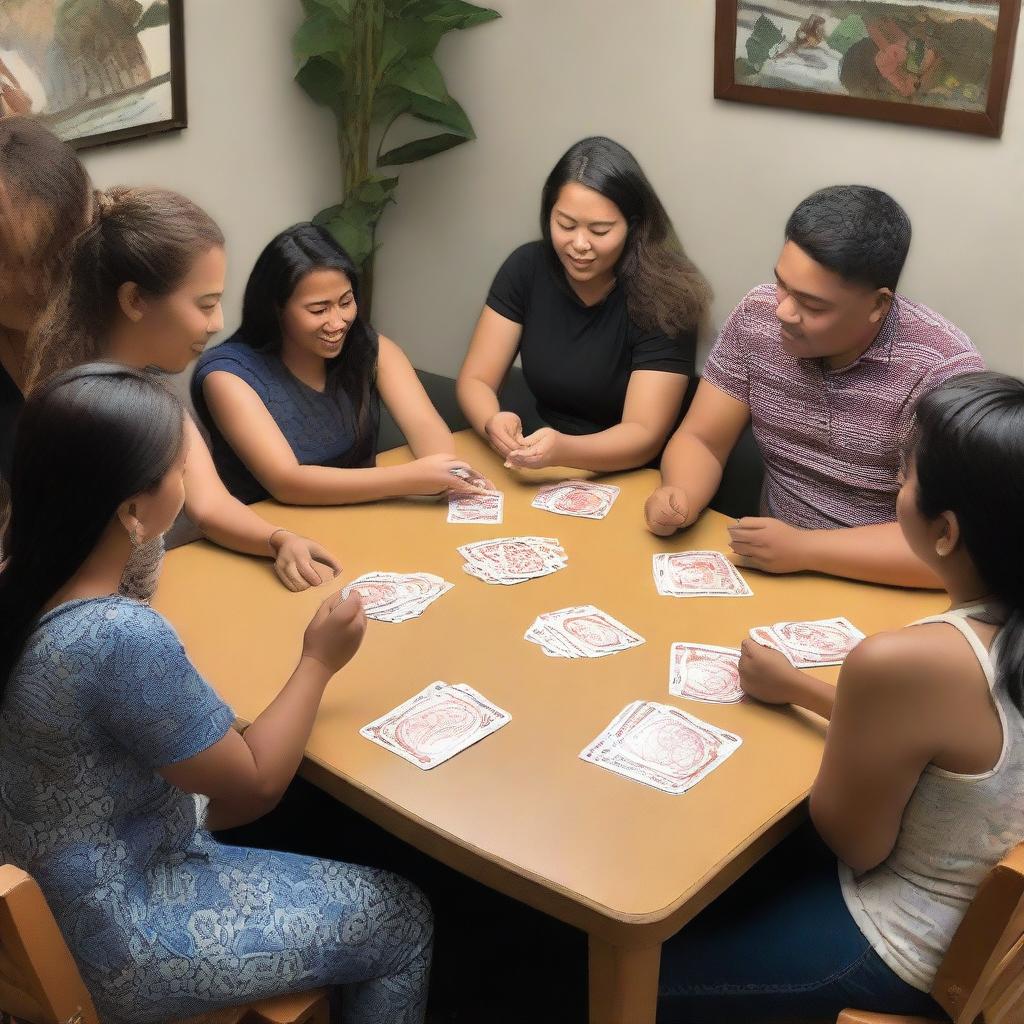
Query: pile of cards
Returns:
{"type": "Point", "coordinates": [660, 746]}
{"type": "Point", "coordinates": [482, 507]}
{"type": "Point", "coordinates": [704, 672]}
{"type": "Point", "coordinates": [581, 632]}
{"type": "Point", "coordinates": [511, 560]}
{"type": "Point", "coordinates": [577, 498]}
{"type": "Point", "coordinates": [436, 724]}
{"type": "Point", "coordinates": [698, 574]}
{"type": "Point", "coordinates": [397, 596]}
{"type": "Point", "coordinates": [811, 644]}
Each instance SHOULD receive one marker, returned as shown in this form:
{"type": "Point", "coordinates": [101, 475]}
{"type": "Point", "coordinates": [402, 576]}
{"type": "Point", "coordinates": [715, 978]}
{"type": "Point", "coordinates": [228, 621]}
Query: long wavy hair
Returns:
{"type": "Point", "coordinates": [286, 260]}
{"type": "Point", "coordinates": [968, 450]}
{"type": "Point", "coordinates": [664, 289]}
{"type": "Point", "coordinates": [87, 440]}
{"type": "Point", "coordinates": [148, 236]}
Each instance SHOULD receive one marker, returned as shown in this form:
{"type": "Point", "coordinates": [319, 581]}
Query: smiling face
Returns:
{"type": "Point", "coordinates": [588, 233]}
{"type": "Point", "coordinates": [318, 314]}
{"type": "Point", "coordinates": [822, 315]}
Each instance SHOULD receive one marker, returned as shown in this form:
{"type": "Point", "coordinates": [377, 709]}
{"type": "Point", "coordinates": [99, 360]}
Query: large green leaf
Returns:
{"type": "Point", "coordinates": [453, 13]}
{"type": "Point", "coordinates": [388, 103]}
{"type": "Point", "coordinates": [408, 39]}
{"type": "Point", "coordinates": [420, 76]}
{"type": "Point", "coordinates": [449, 113]}
{"type": "Point", "coordinates": [376, 191]}
{"type": "Point", "coordinates": [354, 220]}
{"type": "Point", "coordinates": [421, 149]}
{"type": "Point", "coordinates": [323, 82]}
{"type": "Point", "coordinates": [321, 35]}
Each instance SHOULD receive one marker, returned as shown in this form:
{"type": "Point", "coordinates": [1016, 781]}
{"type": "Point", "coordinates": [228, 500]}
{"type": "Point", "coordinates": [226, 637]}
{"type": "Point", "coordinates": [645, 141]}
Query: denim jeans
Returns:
{"type": "Point", "coordinates": [780, 945]}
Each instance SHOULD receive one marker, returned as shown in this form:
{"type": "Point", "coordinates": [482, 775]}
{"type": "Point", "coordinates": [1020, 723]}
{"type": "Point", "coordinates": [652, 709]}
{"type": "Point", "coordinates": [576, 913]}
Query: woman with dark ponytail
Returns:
{"type": "Point", "coordinates": [117, 758]}
{"type": "Point", "coordinates": [921, 787]}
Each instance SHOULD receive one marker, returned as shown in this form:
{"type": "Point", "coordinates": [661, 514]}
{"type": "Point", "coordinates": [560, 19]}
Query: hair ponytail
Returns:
{"type": "Point", "coordinates": [86, 440]}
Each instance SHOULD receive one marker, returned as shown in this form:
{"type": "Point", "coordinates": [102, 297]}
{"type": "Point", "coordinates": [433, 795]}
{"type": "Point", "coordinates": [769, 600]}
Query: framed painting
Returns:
{"type": "Point", "coordinates": [942, 63]}
{"type": "Point", "coordinates": [96, 71]}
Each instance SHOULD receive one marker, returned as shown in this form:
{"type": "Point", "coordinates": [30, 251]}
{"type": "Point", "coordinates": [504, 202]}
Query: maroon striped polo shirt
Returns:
{"type": "Point", "coordinates": [831, 440]}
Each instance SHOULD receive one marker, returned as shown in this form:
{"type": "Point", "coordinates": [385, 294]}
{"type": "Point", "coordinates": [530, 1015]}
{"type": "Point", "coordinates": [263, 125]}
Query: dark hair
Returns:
{"type": "Point", "coordinates": [286, 260]}
{"type": "Point", "coordinates": [860, 233]}
{"type": "Point", "coordinates": [664, 289]}
{"type": "Point", "coordinates": [150, 236]}
{"type": "Point", "coordinates": [85, 441]}
{"type": "Point", "coordinates": [968, 451]}
{"type": "Point", "coordinates": [44, 205]}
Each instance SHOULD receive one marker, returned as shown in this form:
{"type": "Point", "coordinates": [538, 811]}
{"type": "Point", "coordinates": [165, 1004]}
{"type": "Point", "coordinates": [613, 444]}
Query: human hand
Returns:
{"type": "Point", "coordinates": [301, 563]}
{"type": "Point", "coordinates": [504, 432]}
{"type": "Point", "coordinates": [666, 511]}
{"type": "Point", "coordinates": [335, 632]}
{"type": "Point", "coordinates": [435, 474]}
{"type": "Point", "coordinates": [766, 674]}
{"type": "Point", "coordinates": [769, 545]}
{"type": "Point", "coordinates": [536, 451]}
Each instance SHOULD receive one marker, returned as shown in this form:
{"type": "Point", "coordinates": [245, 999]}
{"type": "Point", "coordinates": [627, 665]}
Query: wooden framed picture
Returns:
{"type": "Point", "coordinates": [96, 71]}
{"type": "Point", "coordinates": [942, 63]}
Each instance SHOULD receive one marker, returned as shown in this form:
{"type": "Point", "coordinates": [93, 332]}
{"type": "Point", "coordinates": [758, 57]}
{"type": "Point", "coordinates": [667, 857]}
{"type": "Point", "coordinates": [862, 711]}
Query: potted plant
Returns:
{"type": "Point", "coordinates": [371, 62]}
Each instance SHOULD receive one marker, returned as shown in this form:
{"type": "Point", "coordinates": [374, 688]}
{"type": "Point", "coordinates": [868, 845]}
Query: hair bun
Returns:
{"type": "Point", "coordinates": [104, 203]}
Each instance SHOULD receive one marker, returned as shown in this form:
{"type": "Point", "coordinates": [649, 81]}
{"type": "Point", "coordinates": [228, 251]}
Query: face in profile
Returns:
{"type": "Point", "coordinates": [179, 325]}
{"type": "Point", "coordinates": [318, 314]}
{"type": "Point", "coordinates": [821, 315]}
{"type": "Point", "coordinates": [588, 233]}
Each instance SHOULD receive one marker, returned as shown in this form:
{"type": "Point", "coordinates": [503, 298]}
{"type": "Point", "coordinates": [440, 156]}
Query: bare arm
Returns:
{"type": "Point", "coordinates": [409, 404]}
{"type": "Point", "coordinates": [652, 403]}
{"type": "Point", "coordinates": [691, 468]}
{"type": "Point", "coordinates": [252, 432]}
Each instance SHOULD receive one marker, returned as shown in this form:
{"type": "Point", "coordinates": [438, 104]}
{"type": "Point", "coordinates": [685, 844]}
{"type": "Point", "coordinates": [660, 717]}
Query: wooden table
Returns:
{"type": "Point", "coordinates": [519, 811]}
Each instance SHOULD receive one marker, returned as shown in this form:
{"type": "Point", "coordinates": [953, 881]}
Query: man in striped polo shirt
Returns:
{"type": "Point", "coordinates": [828, 364]}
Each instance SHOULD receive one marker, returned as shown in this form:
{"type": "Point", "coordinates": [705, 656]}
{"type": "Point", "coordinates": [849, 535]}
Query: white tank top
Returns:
{"type": "Point", "coordinates": [955, 829]}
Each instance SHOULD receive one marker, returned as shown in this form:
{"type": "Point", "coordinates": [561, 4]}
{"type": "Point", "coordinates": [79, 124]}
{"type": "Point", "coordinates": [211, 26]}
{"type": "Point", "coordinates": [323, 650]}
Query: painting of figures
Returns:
{"type": "Point", "coordinates": [95, 70]}
{"type": "Point", "coordinates": [947, 55]}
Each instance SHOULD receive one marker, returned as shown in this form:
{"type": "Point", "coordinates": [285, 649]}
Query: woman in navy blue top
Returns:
{"type": "Point", "coordinates": [292, 399]}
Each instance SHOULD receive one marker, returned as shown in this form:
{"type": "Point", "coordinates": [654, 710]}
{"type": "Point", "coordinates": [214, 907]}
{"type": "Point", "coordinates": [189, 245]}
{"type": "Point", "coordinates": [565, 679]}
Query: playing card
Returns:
{"type": "Point", "coordinates": [698, 574]}
{"type": "Point", "coordinates": [484, 507]}
{"type": "Point", "coordinates": [581, 632]}
{"type": "Point", "coordinates": [436, 724]}
{"type": "Point", "coordinates": [581, 498]}
{"type": "Point", "coordinates": [510, 560]}
{"type": "Point", "coordinates": [660, 746]}
{"type": "Point", "coordinates": [706, 673]}
{"type": "Point", "coordinates": [811, 644]}
{"type": "Point", "coordinates": [471, 476]}
{"type": "Point", "coordinates": [396, 597]}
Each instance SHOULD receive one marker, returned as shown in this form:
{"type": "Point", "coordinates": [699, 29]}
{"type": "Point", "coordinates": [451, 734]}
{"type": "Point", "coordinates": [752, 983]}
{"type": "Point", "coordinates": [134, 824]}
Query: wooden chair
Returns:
{"type": "Point", "coordinates": [982, 975]}
{"type": "Point", "coordinates": [40, 983]}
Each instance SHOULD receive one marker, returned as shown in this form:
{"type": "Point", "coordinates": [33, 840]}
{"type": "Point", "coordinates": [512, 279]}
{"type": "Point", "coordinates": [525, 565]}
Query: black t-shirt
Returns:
{"type": "Point", "coordinates": [11, 401]}
{"type": "Point", "coordinates": [577, 359]}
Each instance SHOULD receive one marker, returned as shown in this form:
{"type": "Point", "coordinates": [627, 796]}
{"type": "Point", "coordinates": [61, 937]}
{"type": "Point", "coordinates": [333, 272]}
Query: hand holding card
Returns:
{"type": "Point", "coordinates": [811, 644]}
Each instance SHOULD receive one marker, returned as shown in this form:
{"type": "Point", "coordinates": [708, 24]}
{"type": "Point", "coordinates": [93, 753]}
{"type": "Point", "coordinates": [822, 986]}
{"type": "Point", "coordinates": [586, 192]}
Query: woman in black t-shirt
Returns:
{"type": "Point", "coordinates": [603, 313]}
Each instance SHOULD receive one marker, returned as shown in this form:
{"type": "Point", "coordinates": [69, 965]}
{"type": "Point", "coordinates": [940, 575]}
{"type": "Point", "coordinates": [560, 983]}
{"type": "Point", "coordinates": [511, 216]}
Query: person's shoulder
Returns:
{"type": "Point", "coordinates": [929, 336]}
{"type": "Point", "coordinates": [234, 351]}
{"type": "Point", "coordinates": [524, 259]}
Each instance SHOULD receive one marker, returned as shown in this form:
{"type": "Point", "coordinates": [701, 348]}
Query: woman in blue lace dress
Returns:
{"type": "Point", "coordinates": [116, 757]}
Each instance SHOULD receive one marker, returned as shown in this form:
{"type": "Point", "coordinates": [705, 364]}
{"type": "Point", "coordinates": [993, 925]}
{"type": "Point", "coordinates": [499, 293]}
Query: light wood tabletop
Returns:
{"type": "Point", "coordinates": [520, 811]}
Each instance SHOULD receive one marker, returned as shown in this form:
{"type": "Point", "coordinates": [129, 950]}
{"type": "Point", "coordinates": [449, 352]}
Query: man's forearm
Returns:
{"type": "Point", "coordinates": [875, 554]}
{"type": "Point", "coordinates": [690, 465]}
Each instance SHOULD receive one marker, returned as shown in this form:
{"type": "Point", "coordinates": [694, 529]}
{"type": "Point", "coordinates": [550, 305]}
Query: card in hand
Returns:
{"type": "Point", "coordinates": [582, 498]}
{"type": "Point", "coordinates": [395, 596]}
{"type": "Point", "coordinates": [436, 724]}
{"type": "Point", "coordinates": [661, 746]}
{"type": "Point", "coordinates": [483, 507]}
{"type": "Point", "coordinates": [581, 632]}
{"type": "Point", "coordinates": [698, 574]}
{"type": "Point", "coordinates": [811, 644]}
{"type": "Point", "coordinates": [706, 673]}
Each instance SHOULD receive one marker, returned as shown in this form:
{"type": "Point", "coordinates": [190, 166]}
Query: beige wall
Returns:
{"type": "Point", "coordinates": [552, 71]}
{"type": "Point", "coordinates": [259, 155]}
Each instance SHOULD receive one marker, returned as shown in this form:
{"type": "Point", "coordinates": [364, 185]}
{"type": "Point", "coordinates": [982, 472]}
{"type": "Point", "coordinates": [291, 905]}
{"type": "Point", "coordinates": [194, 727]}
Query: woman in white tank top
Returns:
{"type": "Point", "coordinates": [921, 786]}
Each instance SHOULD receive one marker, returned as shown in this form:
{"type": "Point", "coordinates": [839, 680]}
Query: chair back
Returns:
{"type": "Point", "coordinates": [39, 980]}
{"type": "Point", "coordinates": [983, 970]}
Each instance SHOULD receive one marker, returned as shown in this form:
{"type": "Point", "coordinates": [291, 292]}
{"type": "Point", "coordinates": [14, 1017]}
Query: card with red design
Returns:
{"type": "Point", "coordinates": [698, 574]}
{"type": "Point", "coordinates": [661, 747]}
{"type": "Point", "coordinates": [581, 632]}
{"type": "Point", "coordinates": [483, 507]}
{"type": "Point", "coordinates": [811, 644]}
{"type": "Point", "coordinates": [397, 596]}
{"type": "Point", "coordinates": [705, 672]}
{"type": "Point", "coordinates": [510, 560]}
{"type": "Point", "coordinates": [582, 498]}
{"type": "Point", "coordinates": [436, 724]}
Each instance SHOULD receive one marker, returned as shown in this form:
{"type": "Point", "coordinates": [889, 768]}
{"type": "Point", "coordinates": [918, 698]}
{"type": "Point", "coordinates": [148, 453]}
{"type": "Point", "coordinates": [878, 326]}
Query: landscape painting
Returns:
{"type": "Point", "coordinates": [95, 70]}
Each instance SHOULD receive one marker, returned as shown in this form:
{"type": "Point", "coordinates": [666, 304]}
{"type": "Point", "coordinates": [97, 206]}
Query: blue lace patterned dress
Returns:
{"type": "Point", "coordinates": [163, 921]}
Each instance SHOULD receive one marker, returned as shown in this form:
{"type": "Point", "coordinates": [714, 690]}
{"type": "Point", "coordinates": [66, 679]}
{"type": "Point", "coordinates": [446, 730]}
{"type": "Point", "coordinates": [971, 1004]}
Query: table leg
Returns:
{"type": "Point", "coordinates": [623, 983]}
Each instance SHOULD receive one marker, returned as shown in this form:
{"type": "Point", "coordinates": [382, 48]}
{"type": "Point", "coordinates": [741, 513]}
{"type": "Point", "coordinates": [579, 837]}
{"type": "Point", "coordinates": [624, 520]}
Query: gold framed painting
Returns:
{"type": "Point", "coordinates": [941, 63]}
{"type": "Point", "coordinates": [96, 71]}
